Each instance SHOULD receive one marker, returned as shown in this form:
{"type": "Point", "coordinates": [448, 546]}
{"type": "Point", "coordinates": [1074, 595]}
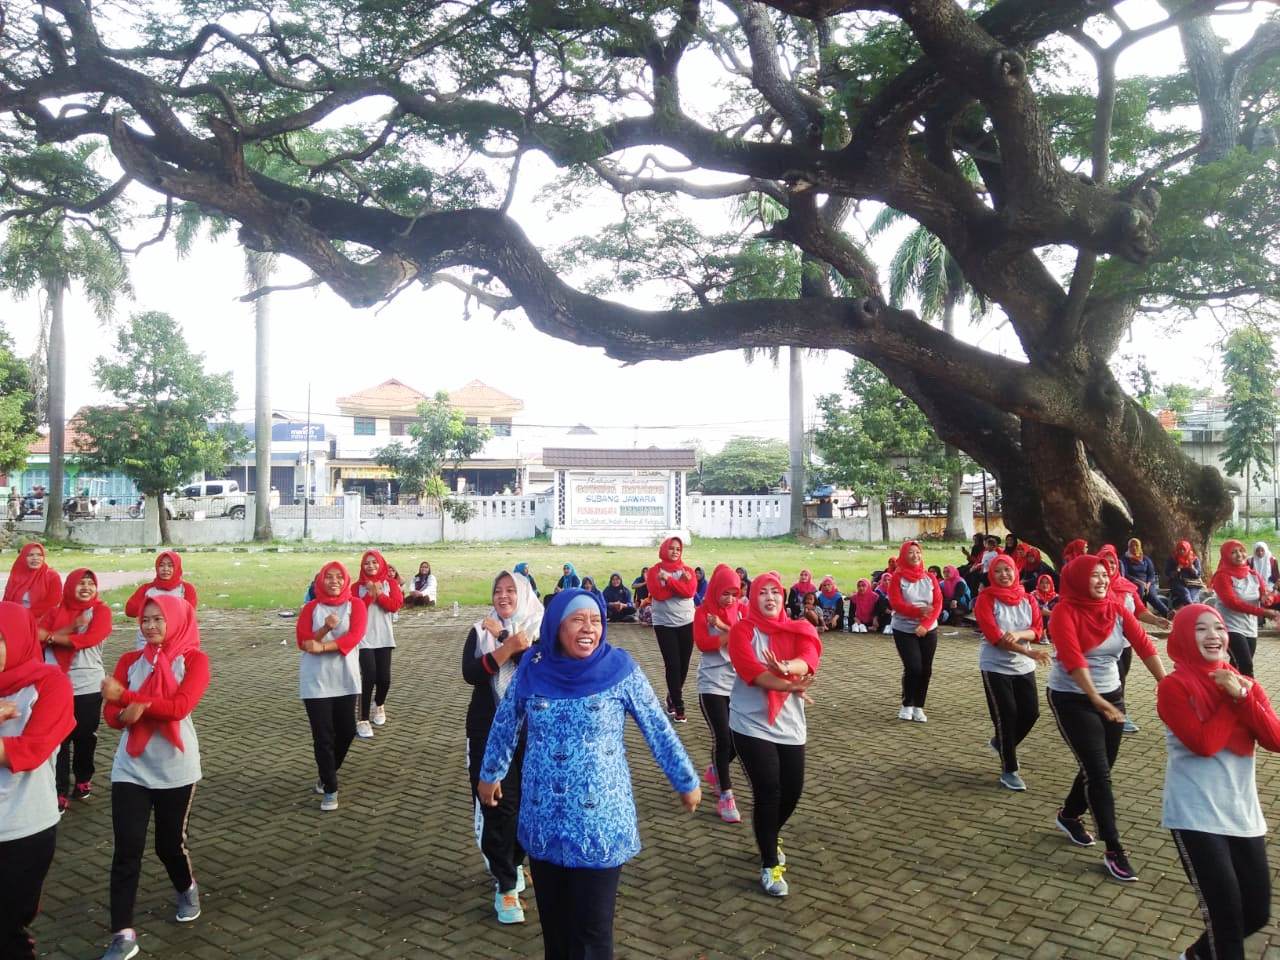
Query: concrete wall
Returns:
{"type": "Point", "coordinates": [739, 517]}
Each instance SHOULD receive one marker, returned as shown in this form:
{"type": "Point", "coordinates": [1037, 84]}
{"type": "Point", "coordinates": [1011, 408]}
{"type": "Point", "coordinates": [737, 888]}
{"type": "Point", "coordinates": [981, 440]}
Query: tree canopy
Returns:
{"type": "Point", "coordinates": [1249, 362]}
{"type": "Point", "coordinates": [17, 407]}
{"type": "Point", "coordinates": [745, 465]}
{"type": "Point", "coordinates": [381, 144]}
{"type": "Point", "coordinates": [439, 438]}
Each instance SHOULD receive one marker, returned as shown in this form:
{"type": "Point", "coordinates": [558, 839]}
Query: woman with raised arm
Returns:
{"type": "Point", "coordinates": [916, 600]}
{"type": "Point", "coordinates": [35, 717]}
{"type": "Point", "coordinates": [1010, 624]}
{"type": "Point", "coordinates": [1090, 628]}
{"type": "Point", "coordinates": [151, 696]}
{"type": "Point", "coordinates": [573, 693]}
{"type": "Point", "coordinates": [671, 586]}
{"type": "Point", "coordinates": [1215, 717]}
{"type": "Point", "coordinates": [382, 597]}
{"type": "Point", "coordinates": [776, 659]}
{"type": "Point", "coordinates": [73, 633]}
{"type": "Point", "coordinates": [490, 656]}
{"type": "Point", "coordinates": [329, 629]}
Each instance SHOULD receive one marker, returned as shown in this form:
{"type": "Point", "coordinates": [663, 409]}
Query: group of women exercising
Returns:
{"type": "Point", "coordinates": [550, 695]}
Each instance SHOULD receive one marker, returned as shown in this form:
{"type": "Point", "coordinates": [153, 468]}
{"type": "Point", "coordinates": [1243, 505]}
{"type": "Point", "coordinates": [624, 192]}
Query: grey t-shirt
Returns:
{"type": "Point", "coordinates": [1102, 660]}
{"type": "Point", "coordinates": [913, 591]}
{"type": "Point", "coordinates": [29, 800]}
{"type": "Point", "coordinates": [1010, 619]}
{"type": "Point", "coordinates": [86, 673]}
{"type": "Point", "coordinates": [322, 675]}
{"type": "Point", "coordinates": [161, 765]}
{"type": "Point", "coordinates": [715, 672]}
{"type": "Point", "coordinates": [1245, 624]}
{"type": "Point", "coordinates": [749, 708]}
{"type": "Point", "coordinates": [1216, 794]}
{"type": "Point", "coordinates": [377, 632]}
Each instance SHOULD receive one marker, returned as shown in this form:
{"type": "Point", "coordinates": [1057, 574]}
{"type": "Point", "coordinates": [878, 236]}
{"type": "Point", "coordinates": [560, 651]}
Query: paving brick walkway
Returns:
{"type": "Point", "coordinates": [903, 846]}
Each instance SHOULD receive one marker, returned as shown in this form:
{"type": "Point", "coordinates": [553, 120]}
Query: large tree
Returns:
{"type": "Point", "coordinates": [17, 408]}
{"type": "Point", "coordinates": [817, 104]}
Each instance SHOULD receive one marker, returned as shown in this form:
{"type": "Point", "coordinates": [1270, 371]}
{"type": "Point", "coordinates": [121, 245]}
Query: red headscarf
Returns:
{"type": "Point", "coordinates": [1076, 548]}
{"type": "Point", "coordinates": [181, 636]}
{"type": "Point", "coordinates": [1012, 595]}
{"type": "Point", "coordinates": [1093, 619]}
{"type": "Point", "coordinates": [660, 591]}
{"type": "Point", "coordinates": [1120, 584]}
{"type": "Point", "coordinates": [1033, 558]}
{"type": "Point", "coordinates": [891, 564]}
{"type": "Point", "coordinates": [1236, 571]}
{"type": "Point", "coordinates": [903, 567]}
{"type": "Point", "coordinates": [22, 664]}
{"type": "Point", "coordinates": [864, 601]}
{"type": "Point", "coordinates": [380, 576]}
{"type": "Point", "coordinates": [322, 595]}
{"type": "Point", "coordinates": [1020, 553]}
{"type": "Point", "coordinates": [66, 612]}
{"type": "Point", "coordinates": [828, 581]}
{"type": "Point", "coordinates": [175, 578]}
{"type": "Point", "coordinates": [42, 585]}
{"type": "Point", "coordinates": [803, 586]}
{"type": "Point", "coordinates": [1191, 682]}
{"type": "Point", "coordinates": [1184, 555]}
{"type": "Point", "coordinates": [1046, 592]}
{"type": "Point", "coordinates": [786, 636]}
{"type": "Point", "coordinates": [724, 579]}
{"type": "Point", "coordinates": [950, 582]}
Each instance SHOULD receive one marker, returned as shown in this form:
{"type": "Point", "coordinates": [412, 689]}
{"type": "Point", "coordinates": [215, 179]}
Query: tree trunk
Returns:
{"type": "Point", "coordinates": [259, 267]}
{"type": "Point", "coordinates": [884, 519]}
{"type": "Point", "coordinates": [796, 391]}
{"type": "Point", "coordinates": [1247, 488]}
{"type": "Point", "coordinates": [954, 529]}
{"type": "Point", "coordinates": [55, 524]}
{"type": "Point", "coordinates": [162, 517]}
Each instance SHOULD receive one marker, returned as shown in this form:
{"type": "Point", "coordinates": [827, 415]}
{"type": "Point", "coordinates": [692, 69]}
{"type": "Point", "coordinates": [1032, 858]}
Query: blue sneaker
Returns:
{"type": "Point", "coordinates": [123, 946]}
{"type": "Point", "coordinates": [1012, 781]}
{"type": "Point", "coordinates": [189, 904]}
{"type": "Point", "coordinates": [508, 907]}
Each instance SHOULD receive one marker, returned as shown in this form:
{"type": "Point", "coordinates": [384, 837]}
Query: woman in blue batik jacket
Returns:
{"type": "Point", "coordinates": [573, 692]}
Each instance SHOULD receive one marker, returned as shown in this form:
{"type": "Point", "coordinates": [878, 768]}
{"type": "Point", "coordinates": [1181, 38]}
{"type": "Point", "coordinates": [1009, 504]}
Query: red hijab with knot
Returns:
{"type": "Point", "coordinates": [1046, 592]}
{"type": "Point", "coordinates": [1189, 691]}
{"type": "Point", "coordinates": [1120, 584]}
{"type": "Point", "coordinates": [1236, 571]}
{"type": "Point", "coordinates": [785, 635]}
{"type": "Point", "coordinates": [724, 579]}
{"type": "Point", "coordinates": [1011, 595]}
{"type": "Point", "coordinates": [175, 578]}
{"type": "Point", "coordinates": [181, 636]}
{"type": "Point", "coordinates": [66, 612]}
{"type": "Point", "coordinates": [42, 586]}
{"type": "Point", "coordinates": [379, 577]}
{"type": "Point", "coordinates": [22, 663]}
{"type": "Point", "coordinates": [657, 589]}
{"type": "Point", "coordinates": [322, 595]}
{"type": "Point", "coordinates": [1184, 555]}
{"type": "Point", "coordinates": [903, 567]}
{"type": "Point", "coordinates": [1093, 618]}
{"type": "Point", "coordinates": [1076, 548]}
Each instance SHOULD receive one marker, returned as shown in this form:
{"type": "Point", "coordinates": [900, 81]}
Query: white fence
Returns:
{"type": "Point", "coordinates": [749, 518]}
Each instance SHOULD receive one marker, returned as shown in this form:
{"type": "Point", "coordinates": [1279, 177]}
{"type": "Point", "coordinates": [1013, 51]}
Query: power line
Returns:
{"type": "Point", "coordinates": [556, 426]}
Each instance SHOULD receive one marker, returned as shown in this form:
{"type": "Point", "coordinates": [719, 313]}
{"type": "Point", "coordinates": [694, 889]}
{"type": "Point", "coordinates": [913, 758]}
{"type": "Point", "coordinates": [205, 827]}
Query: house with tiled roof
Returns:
{"type": "Point", "coordinates": [109, 485]}
{"type": "Point", "coordinates": [377, 416]}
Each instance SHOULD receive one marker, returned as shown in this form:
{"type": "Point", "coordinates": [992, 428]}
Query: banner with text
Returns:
{"type": "Point", "coordinates": [618, 500]}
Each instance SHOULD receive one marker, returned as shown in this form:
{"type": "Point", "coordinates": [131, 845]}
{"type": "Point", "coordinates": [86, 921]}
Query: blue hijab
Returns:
{"type": "Point", "coordinates": [569, 580]}
{"type": "Point", "coordinates": [547, 671]}
{"type": "Point", "coordinates": [595, 591]}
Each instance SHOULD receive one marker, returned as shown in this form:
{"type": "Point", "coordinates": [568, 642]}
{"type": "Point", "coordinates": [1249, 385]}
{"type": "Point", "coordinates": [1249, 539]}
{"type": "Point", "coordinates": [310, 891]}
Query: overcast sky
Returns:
{"type": "Point", "coordinates": [423, 340]}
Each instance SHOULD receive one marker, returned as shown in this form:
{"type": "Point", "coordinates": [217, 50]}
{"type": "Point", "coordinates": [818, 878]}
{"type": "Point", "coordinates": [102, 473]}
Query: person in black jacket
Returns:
{"type": "Point", "coordinates": [493, 649]}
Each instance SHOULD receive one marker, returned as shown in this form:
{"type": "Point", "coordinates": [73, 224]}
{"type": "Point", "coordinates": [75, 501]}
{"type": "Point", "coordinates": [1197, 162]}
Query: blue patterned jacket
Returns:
{"type": "Point", "coordinates": [576, 807]}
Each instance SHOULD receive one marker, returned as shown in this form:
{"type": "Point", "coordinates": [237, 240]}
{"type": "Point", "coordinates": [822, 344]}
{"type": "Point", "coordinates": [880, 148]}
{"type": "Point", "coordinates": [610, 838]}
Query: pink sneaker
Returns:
{"type": "Point", "coordinates": [709, 775]}
{"type": "Point", "coordinates": [727, 808]}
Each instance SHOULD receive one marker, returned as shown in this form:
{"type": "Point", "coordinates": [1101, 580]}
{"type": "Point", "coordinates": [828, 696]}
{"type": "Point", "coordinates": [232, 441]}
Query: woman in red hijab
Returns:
{"type": "Point", "coordinates": [1184, 574]}
{"type": "Point", "coordinates": [382, 597]}
{"type": "Point", "coordinates": [1090, 628]}
{"type": "Point", "coordinates": [1128, 593]}
{"type": "Point", "coordinates": [1046, 597]}
{"type": "Point", "coordinates": [1216, 717]}
{"type": "Point", "coordinates": [775, 658]}
{"type": "Point", "coordinates": [916, 600]}
{"type": "Point", "coordinates": [168, 582]}
{"type": "Point", "coordinates": [73, 633]}
{"type": "Point", "coordinates": [672, 584]}
{"type": "Point", "coordinates": [32, 582]}
{"type": "Point", "coordinates": [1240, 597]}
{"type": "Point", "coordinates": [151, 695]}
{"type": "Point", "coordinates": [35, 717]}
{"type": "Point", "coordinates": [720, 609]}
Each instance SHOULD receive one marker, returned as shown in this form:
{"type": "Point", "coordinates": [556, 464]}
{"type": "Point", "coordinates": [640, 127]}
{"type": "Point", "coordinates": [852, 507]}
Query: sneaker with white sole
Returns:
{"type": "Point", "coordinates": [188, 905]}
{"type": "Point", "coordinates": [1073, 827]}
{"type": "Point", "coordinates": [1117, 865]}
{"type": "Point", "coordinates": [906, 713]}
{"type": "Point", "coordinates": [727, 807]}
{"type": "Point", "coordinates": [364, 730]}
{"type": "Point", "coordinates": [508, 907]}
{"type": "Point", "coordinates": [772, 881]}
{"type": "Point", "coordinates": [1013, 781]}
{"type": "Point", "coordinates": [330, 802]}
{"type": "Point", "coordinates": [123, 946]}
{"type": "Point", "coordinates": [378, 715]}
{"type": "Point", "coordinates": [1130, 726]}
{"type": "Point", "coordinates": [917, 714]}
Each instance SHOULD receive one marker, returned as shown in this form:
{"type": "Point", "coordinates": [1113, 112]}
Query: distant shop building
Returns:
{"type": "Point", "coordinates": [626, 498]}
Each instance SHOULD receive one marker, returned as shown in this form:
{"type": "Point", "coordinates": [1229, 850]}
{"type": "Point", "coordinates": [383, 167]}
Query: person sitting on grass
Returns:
{"type": "Point", "coordinates": [830, 604]}
{"type": "Point", "coordinates": [617, 601]}
{"type": "Point", "coordinates": [424, 589]}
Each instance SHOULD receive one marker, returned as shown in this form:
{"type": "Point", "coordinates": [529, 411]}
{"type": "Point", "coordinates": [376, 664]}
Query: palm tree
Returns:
{"type": "Point", "coordinates": [923, 266]}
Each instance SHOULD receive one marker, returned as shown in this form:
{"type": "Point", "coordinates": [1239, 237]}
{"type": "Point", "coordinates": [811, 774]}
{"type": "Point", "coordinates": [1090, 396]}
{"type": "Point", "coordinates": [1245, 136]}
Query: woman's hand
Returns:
{"type": "Point", "coordinates": [492, 626]}
{"type": "Point", "coordinates": [331, 622]}
{"type": "Point", "coordinates": [133, 713]}
{"type": "Point", "coordinates": [85, 618]}
{"type": "Point", "coordinates": [314, 646]}
{"type": "Point", "coordinates": [922, 630]}
{"type": "Point", "coordinates": [8, 710]}
{"type": "Point", "coordinates": [691, 799]}
{"type": "Point", "coordinates": [489, 793]}
{"type": "Point", "coordinates": [375, 589]}
{"type": "Point", "coordinates": [1108, 710]}
{"type": "Point", "coordinates": [1232, 684]}
{"type": "Point", "coordinates": [1042, 657]}
{"type": "Point", "coordinates": [112, 690]}
{"type": "Point", "coordinates": [517, 643]}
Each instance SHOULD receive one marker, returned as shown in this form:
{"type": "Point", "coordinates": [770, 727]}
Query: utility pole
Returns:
{"type": "Point", "coordinates": [306, 471]}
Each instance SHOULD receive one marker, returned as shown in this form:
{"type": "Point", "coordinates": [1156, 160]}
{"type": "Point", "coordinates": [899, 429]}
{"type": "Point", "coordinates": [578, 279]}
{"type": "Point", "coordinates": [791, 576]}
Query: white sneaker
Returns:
{"type": "Point", "coordinates": [330, 802]}
{"type": "Point", "coordinates": [917, 714]}
{"type": "Point", "coordinates": [772, 881]}
{"type": "Point", "coordinates": [906, 713]}
{"type": "Point", "coordinates": [378, 715]}
{"type": "Point", "coordinates": [887, 630]}
{"type": "Point", "coordinates": [364, 730]}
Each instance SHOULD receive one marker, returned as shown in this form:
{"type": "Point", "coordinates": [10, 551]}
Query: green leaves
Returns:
{"type": "Point", "coordinates": [17, 407]}
{"type": "Point", "coordinates": [160, 434]}
{"type": "Point", "coordinates": [746, 465]}
{"type": "Point", "coordinates": [440, 438]}
{"type": "Point", "coordinates": [1249, 362]}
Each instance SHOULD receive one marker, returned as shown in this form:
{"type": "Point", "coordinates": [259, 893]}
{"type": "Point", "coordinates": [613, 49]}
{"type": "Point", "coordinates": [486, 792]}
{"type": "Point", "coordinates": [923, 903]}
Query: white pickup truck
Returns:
{"type": "Point", "coordinates": [211, 498]}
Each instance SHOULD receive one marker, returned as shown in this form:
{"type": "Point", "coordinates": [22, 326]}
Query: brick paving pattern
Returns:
{"type": "Point", "coordinates": [903, 847]}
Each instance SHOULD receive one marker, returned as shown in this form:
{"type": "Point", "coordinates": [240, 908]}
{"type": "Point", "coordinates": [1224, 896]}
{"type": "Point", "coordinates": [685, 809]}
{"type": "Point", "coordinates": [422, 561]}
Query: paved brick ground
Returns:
{"type": "Point", "coordinates": [903, 846]}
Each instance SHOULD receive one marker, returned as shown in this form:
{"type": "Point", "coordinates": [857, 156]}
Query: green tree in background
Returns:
{"type": "Point", "coordinates": [17, 408]}
{"type": "Point", "coordinates": [879, 444]}
{"type": "Point", "coordinates": [1249, 367]}
{"type": "Point", "coordinates": [441, 438]}
{"type": "Point", "coordinates": [746, 465]}
{"type": "Point", "coordinates": [170, 421]}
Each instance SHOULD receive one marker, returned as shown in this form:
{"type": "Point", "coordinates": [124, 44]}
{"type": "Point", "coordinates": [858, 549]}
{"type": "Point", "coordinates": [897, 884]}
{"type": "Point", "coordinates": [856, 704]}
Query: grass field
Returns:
{"type": "Point", "coordinates": [271, 580]}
